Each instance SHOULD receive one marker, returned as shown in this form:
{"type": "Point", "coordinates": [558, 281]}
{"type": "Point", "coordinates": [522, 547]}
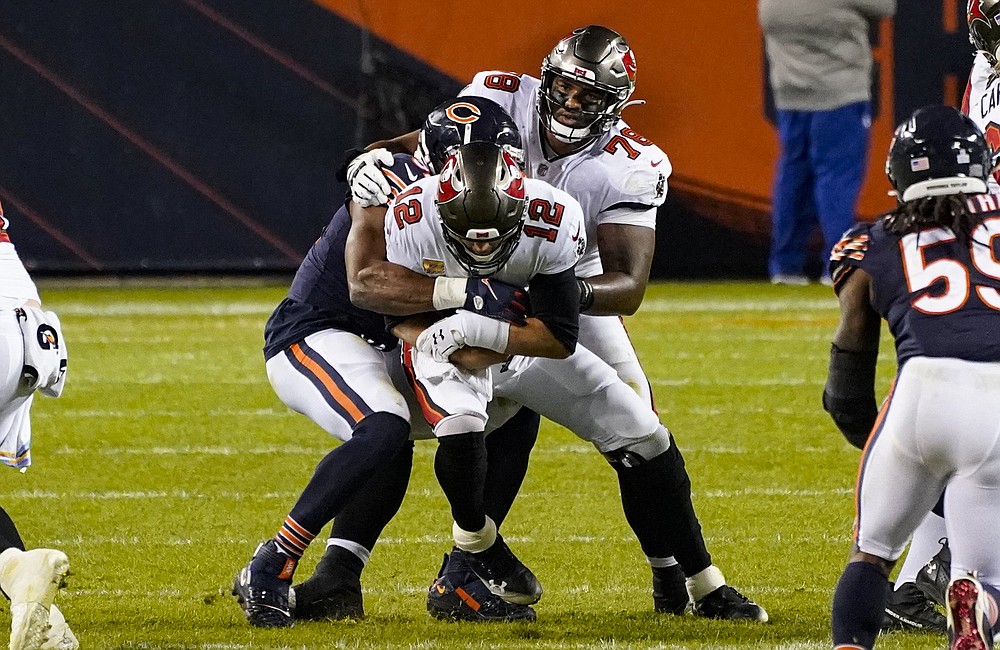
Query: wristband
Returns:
{"type": "Point", "coordinates": [449, 293]}
{"type": "Point", "coordinates": [484, 332]}
{"type": "Point", "coordinates": [586, 295]}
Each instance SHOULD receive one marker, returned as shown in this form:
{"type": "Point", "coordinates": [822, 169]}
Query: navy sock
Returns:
{"type": "Point", "coordinates": [376, 440]}
{"type": "Point", "coordinates": [376, 503]}
{"type": "Point", "coordinates": [859, 604]}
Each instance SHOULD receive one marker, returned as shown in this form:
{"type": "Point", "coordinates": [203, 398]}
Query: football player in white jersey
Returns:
{"type": "Point", "coordinates": [32, 358]}
{"type": "Point", "coordinates": [470, 220]}
{"type": "Point", "coordinates": [576, 140]}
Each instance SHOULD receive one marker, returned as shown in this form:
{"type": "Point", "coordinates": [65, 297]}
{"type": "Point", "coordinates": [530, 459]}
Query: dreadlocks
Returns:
{"type": "Point", "coordinates": [945, 211]}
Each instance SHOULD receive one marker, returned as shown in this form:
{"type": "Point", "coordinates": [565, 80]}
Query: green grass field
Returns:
{"type": "Point", "coordinates": [169, 458]}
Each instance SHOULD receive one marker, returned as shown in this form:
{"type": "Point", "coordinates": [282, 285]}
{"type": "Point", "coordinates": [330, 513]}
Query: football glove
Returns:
{"type": "Point", "coordinates": [364, 174]}
{"type": "Point", "coordinates": [496, 299]}
{"type": "Point", "coordinates": [464, 328]}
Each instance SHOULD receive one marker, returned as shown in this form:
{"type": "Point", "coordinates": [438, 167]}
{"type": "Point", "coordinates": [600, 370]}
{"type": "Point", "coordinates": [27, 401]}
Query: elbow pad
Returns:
{"type": "Point", "coordinates": [849, 394]}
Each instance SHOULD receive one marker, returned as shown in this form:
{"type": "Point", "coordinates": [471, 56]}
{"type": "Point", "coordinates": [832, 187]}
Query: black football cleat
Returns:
{"type": "Point", "coordinates": [670, 594]}
{"type": "Point", "coordinates": [933, 577]}
{"type": "Point", "coordinates": [725, 603]}
{"type": "Point", "coordinates": [458, 594]}
{"type": "Point", "coordinates": [501, 572]}
{"type": "Point", "coordinates": [261, 587]}
{"type": "Point", "coordinates": [909, 609]}
{"type": "Point", "coordinates": [331, 593]}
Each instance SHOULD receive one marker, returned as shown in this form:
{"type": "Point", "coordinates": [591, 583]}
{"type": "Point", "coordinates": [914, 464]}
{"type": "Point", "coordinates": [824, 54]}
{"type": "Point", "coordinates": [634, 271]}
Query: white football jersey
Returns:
{"type": "Point", "coordinates": [553, 238]}
{"type": "Point", "coordinates": [982, 104]}
{"type": "Point", "coordinates": [620, 177]}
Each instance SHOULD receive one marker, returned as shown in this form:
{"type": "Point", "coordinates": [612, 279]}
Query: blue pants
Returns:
{"type": "Point", "coordinates": [822, 165]}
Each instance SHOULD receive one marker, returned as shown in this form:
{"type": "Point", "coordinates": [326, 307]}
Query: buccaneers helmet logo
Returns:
{"type": "Point", "coordinates": [976, 11]}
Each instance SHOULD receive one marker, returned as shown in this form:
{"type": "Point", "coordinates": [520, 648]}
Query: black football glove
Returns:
{"type": "Point", "coordinates": [497, 299]}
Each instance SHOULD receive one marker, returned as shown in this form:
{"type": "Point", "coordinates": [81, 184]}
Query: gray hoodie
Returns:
{"type": "Point", "coordinates": [818, 50]}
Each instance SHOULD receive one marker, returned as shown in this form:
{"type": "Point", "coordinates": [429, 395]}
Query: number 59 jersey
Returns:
{"type": "Point", "coordinates": [552, 240]}
{"type": "Point", "coordinates": [939, 294]}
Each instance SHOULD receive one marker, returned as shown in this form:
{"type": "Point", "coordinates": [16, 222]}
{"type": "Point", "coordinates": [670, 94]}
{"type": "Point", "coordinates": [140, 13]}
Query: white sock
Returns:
{"type": "Point", "coordinates": [475, 541]}
{"type": "Point", "coordinates": [702, 584]}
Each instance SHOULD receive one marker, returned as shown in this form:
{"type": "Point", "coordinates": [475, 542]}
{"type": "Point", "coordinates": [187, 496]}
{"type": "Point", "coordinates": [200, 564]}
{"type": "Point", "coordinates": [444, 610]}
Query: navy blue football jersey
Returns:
{"type": "Point", "coordinates": [939, 294]}
{"type": "Point", "coordinates": [319, 298]}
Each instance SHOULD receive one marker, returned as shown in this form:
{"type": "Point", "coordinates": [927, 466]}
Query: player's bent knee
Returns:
{"type": "Point", "coordinates": [641, 451]}
{"type": "Point", "coordinates": [460, 423]}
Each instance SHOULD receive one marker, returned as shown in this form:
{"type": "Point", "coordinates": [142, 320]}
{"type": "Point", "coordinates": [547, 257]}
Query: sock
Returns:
{"type": "Point", "coordinates": [460, 466]}
{"type": "Point", "coordinates": [9, 537]}
{"type": "Point", "coordinates": [656, 497]}
{"type": "Point", "coordinates": [858, 605]}
{"type": "Point", "coordinates": [370, 509]}
{"type": "Point", "coordinates": [507, 452]}
{"type": "Point", "coordinates": [704, 582]}
{"type": "Point", "coordinates": [376, 439]}
{"type": "Point", "coordinates": [292, 538]}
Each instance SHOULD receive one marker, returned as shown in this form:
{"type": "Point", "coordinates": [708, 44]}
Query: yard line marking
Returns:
{"type": "Point", "coordinates": [142, 308]}
{"type": "Point", "coordinates": [667, 305]}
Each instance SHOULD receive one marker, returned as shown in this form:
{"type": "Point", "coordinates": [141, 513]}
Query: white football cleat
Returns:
{"type": "Point", "coordinates": [60, 637]}
{"type": "Point", "coordinates": [30, 579]}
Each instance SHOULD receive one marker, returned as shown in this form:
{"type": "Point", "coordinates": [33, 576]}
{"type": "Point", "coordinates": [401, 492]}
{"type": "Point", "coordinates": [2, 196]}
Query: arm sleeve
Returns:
{"type": "Point", "coordinates": [555, 301]}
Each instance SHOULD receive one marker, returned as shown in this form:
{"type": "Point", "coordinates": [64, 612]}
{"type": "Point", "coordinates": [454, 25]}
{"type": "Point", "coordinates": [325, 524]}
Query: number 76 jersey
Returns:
{"type": "Point", "coordinates": [939, 294]}
{"type": "Point", "coordinates": [552, 241]}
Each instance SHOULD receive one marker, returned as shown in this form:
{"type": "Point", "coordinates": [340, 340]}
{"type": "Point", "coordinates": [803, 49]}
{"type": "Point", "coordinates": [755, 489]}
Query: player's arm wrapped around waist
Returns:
{"type": "Point", "coordinates": [849, 394]}
{"type": "Point", "coordinates": [45, 357]}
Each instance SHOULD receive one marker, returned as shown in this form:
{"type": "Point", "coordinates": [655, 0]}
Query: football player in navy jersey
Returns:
{"type": "Point", "coordinates": [931, 269]}
{"type": "Point", "coordinates": [331, 360]}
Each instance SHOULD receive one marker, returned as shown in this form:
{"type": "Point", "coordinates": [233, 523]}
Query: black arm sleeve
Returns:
{"type": "Point", "coordinates": [555, 300]}
{"type": "Point", "coordinates": [849, 394]}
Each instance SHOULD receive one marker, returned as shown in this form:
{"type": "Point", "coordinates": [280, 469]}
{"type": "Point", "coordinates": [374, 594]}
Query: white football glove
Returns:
{"type": "Point", "coordinates": [464, 328]}
{"type": "Point", "coordinates": [364, 174]}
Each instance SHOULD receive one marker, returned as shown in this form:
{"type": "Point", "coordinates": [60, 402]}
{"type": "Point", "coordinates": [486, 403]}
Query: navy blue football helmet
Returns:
{"type": "Point", "coordinates": [462, 120]}
{"type": "Point", "coordinates": [937, 151]}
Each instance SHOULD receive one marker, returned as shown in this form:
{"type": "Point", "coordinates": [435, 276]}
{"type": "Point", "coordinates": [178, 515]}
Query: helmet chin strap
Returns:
{"type": "Point", "coordinates": [567, 134]}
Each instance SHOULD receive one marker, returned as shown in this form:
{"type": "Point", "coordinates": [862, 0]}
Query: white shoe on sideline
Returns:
{"type": "Point", "coordinates": [60, 637]}
{"type": "Point", "coordinates": [30, 579]}
{"type": "Point", "coordinates": [790, 279]}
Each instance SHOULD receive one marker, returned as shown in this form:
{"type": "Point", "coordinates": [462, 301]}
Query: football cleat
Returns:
{"type": "Point", "coordinates": [261, 587]}
{"type": "Point", "coordinates": [670, 594]}
{"type": "Point", "coordinates": [458, 594]}
{"type": "Point", "coordinates": [726, 603]}
{"type": "Point", "coordinates": [331, 593]}
{"type": "Point", "coordinates": [968, 615]}
{"type": "Point", "coordinates": [59, 637]}
{"type": "Point", "coordinates": [908, 608]}
{"type": "Point", "coordinates": [31, 579]}
{"type": "Point", "coordinates": [502, 573]}
{"type": "Point", "coordinates": [934, 576]}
